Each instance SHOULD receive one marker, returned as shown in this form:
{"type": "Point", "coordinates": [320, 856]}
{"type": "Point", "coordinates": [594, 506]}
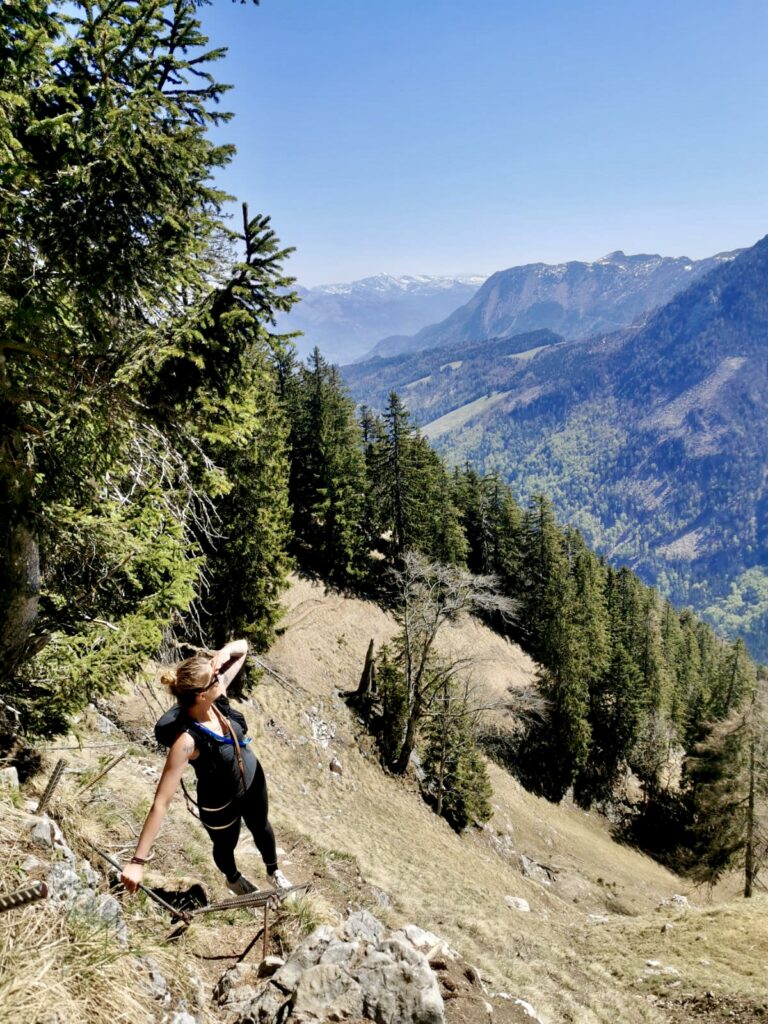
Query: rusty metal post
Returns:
{"type": "Point", "coordinates": [109, 767]}
{"type": "Point", "coordinates": [30, 893]}
{"type": "Point", "coordinates": [52, 784]}
{"type": "Point", "coordinates": [265, 940]}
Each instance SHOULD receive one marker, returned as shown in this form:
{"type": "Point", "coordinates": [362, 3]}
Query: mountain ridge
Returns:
{"type": "Point", "coordinates": [345, 319]}
{"type": "Point", "coordinates": [575, 299]}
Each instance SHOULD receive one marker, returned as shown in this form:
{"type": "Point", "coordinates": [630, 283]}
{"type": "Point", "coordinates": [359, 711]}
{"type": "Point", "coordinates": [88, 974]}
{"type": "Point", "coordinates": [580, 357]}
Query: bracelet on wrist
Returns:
{"type": "Point", "coordinates": [135, 859]}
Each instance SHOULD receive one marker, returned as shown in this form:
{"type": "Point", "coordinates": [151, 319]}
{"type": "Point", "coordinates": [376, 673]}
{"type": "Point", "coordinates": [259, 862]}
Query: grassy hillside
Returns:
{"type": "Point", "coordinates": [366, 839]}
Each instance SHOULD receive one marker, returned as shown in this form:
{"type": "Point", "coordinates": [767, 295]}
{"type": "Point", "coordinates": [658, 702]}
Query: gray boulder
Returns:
{"type": "Point", "coordinates": [326, 993]}
{"type": "Point", "coordinates": [46, 833]}
{"type": "Point", "coordinates": [399, 985]}
{"type": "Point", "coordinates": [363, 925]}
{"type": "Point", "coordinates": [9, 779]}
{"type": "Point", "coordinates": [101, 909]}
{"type": "Point", "coordinates": [358, 969]}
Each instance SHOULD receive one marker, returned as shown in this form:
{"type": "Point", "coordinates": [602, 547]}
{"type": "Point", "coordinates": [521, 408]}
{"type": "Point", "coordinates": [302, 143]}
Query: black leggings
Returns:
{"type": "Point", "coordinates": [253, 809]}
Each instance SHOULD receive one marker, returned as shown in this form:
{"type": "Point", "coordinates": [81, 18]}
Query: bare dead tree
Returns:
{"type": "Point", "coordinates": [430, 596]}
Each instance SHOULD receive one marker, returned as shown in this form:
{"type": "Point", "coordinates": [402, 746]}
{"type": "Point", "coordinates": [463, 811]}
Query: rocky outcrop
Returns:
{"type": "Point", "coordinates": [358, 970]}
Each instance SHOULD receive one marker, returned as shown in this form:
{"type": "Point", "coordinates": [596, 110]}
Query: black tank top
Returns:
{"type": "Point", "coordinates": [219, 781]}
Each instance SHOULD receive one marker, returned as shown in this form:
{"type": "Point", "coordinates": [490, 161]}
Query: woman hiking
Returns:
{"type": "Point", "coordinates": [204, 731]}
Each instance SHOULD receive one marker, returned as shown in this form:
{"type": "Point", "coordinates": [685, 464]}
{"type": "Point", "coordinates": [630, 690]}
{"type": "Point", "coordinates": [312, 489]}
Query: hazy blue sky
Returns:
{"type": "Point", "coordinates": [440, 137]}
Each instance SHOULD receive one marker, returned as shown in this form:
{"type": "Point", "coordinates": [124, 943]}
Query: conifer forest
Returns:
{"type": "Point", "coordinates": [166, 461]}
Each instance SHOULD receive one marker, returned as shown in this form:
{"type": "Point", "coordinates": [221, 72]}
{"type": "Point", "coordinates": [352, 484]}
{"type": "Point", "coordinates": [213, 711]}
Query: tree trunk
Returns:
{"type": "Point", "coordinates": [401, 763]}
{"type": "Point", "coordinates": [443, 754]}
{"type": "Point", "coordinates": [19, 596]}
{"type": "Point", "coordinates": [749, 851]}
{"type": "Point", "coordinates": [366, 686]}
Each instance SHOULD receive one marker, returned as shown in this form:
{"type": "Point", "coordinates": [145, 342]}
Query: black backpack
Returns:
{"type": "Point", "coordinates": [176, 721]}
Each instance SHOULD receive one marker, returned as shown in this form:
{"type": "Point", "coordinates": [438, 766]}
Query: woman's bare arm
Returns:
{"type": "Point", "coordinates": [229, 660]}
{"type": "Point", "coordinates": [179, 756]}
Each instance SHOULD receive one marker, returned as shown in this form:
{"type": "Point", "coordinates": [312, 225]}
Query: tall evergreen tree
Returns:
{"type": "Point", "coordinates": [617, 699]}
{"type": "Point", "coordinates": [562, 747]}
{"type": "Point", "coordinates": [373, 435]}
{"type": "Point", "coordinates": [111, 247]}
{"type": "Point", "coordinates": [327, 474]}
{"type": "Point", "coordinates": [409, 480]}
{"type": "Point", "coordinates": [733, 679]}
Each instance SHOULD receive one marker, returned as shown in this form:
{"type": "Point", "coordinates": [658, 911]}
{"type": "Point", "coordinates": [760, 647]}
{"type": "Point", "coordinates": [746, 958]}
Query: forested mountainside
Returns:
{"type": "Point", "coordinates": [345, 320]}
{"type": "Point", "coordinates": [574, 299]}
{"type": "Point", "coordinates": [652, 440]}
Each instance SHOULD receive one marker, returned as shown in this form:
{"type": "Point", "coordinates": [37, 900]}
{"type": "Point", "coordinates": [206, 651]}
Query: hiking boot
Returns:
{"type": "Point", "coordinates": [241, 886]}
{"type": "Point", "coordinates": [279, 881]}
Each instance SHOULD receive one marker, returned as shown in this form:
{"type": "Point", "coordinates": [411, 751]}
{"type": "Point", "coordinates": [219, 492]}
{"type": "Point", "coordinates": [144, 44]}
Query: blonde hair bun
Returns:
{"type": "Point", "coordinates": [167, 676]}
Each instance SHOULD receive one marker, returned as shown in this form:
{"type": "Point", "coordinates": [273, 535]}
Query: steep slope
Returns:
{"type": "Point", "coordinates": [344, 320]}
{"type": "Point", "coordinates": [573, 299]}
{"type": "Point", "coordinates": [654, 440]}
{"type": "Point", "coordinates": [581, 953]}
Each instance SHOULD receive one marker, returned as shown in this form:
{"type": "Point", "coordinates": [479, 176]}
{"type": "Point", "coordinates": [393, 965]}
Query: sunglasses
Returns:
{"type": "Point", "coordinates": [214, 680]}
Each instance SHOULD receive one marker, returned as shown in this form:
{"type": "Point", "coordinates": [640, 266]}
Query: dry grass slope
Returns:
{"type": "Point", "coordinates": [367, 839]}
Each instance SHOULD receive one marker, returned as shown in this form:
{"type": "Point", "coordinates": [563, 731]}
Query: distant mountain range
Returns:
{"type": "Point", "coordinates": [346, 320]}
{"type": "Point", "coordinates": [574, 299]}
{"type": "Point", "coordinates": [653, 439]}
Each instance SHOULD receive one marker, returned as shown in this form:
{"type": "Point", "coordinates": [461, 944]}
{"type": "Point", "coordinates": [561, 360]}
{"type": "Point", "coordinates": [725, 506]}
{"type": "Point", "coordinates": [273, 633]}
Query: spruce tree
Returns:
{"type": "Point", "coordinates": [616, 697]}
{"type": "Point", "coordinates": [113, 282]}
{"type": "Point", "coordinates": [327, 475]}
{"type": "Point", "coordinates": [557, 752]}
{"type": "Point", "coordinates": [409, 481]}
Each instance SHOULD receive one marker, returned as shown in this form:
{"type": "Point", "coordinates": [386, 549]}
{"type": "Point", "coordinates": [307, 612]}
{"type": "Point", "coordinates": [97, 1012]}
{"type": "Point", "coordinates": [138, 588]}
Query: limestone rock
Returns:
{"type": "Point", "coordinates": [269, 965]}
{"type": "Point", "coordinates": [64, 883]}
{"type": "Point", "coordinates": [9, 779]}
{"type": "Point", "coordinates": [88, 873]}
{"type": "Point", "coordinates": [530, 869]}
{"type": "Point", "coordinates": [237, 986]}
{"type": "Point", "coordinates": [104, 910]}
{"type": "Point", "coordinates": [105, 725]}
{"type": "Point", "coordinates": [154, 982]}
{"type": "Point", "coordinates": [357, 969]}
{"type": "Point", "coordinates": [518, 903]}
{"type": "Point", "coordinates": [306, 955]}
{"type": "Point", "coordinates": [266, 1007]}
{"type": "Point", "coordinates": [326, 992]}
{"type": "Point", "coordinates": [363, 925]}
{"type": "Point", "coordinates": [381, 897]}
{"type": "Point", "coordinates": [675, 901]}
{"type": "Point", "coordinates": [528, 1010]}
{"type": "Point", "coordinates": [399, 985]}
{"type": "Point", "coordinates": [418, 937]}
{"type": "Point", "coordinates": [338, 952]}
{"type": "Point", "coordinates": [30, 864]}
{"type": "Point", "coordinates": [46, 833]}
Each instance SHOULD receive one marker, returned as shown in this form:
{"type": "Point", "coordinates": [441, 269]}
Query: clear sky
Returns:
{"type": "Point", "coordinates": [442, 137]}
